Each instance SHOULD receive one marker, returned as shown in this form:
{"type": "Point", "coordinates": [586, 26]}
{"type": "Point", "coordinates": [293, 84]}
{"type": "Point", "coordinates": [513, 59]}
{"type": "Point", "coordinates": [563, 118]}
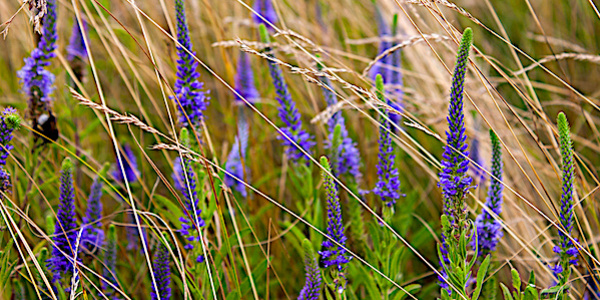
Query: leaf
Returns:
{"type": "Point", "coordinates": [233, 296]}
{"type": "Point", "coordinates": [480, 276]}
{"type": "Point", "coordinates": [516, 279]}
{"type": "Point", "coordinates": [506, 292]}
{"type": "Point", "coordinates": [400, 294]}
{"type": "Point", "coordinates": [531, 293]}
{"type": "Point", "coordinates": [174, 211]}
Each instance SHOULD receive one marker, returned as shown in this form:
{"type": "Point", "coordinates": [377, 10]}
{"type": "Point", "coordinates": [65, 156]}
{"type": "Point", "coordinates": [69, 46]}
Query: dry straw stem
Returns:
{"type": "Point", "coordinates": [576, 56]}
{"type": "Point", "coordinates": [409, 42]}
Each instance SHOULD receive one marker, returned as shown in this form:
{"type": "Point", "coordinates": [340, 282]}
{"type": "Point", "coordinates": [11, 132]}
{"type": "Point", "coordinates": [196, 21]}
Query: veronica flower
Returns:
{"type": "Point", "coordinates": [287, 111]}
{"type": "Point", "coordinates": [191, 100]}
{"type": "Point", "coordinates": [93, 235]}
{"type": "Point", "coordinates": [65, 232]}
{"type": "Point", "coordinates": [110, 262]}
{"type": "Point", "coordinates": [332, 254]}
{"type": "Point", "coordinates": [346, 157]}
{"type": "Point", "coordinates": [162, 273]}
{"type": "Point", "coordinates": [234, 164]}
{"type": "Point", "coordinates": [475, 156]}
{"type": "Point", "coordinates": [264, 9]}
{"type": "Point", "coordinates": [185, 181]}
{"type": "Point", "coordinates": [77, 53]}
{"type": "Point", "coordinates": [130, 166]}
{"type": "Point", "coordinates": [383, 29]}
{"type": "Point", "coordinates": [312, 285]}
{"type": "Point", "coordinates": [489, 230]}
{"type": "Point", "coordinates": [388, 185]}
{"type": "Point", "coordinates": [9, 121]}
{"type": "Point", "coordinates": [454, 180]}
{"type": "Point", "coordinates": [76, 47]}
{"type": "Point", "coordinates": [36, 81]}
{"type": "Point", "coordinates": [244, 80]}
{"type": "Point", "coordinates": [565, 248]}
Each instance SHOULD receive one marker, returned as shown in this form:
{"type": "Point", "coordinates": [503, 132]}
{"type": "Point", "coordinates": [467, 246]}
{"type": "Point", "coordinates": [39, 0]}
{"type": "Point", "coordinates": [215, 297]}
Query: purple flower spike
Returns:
{"type": "Point", "coordinates": [266, 10]}
{"type": "Point", "coordinates": [244, 80]}
{"type": "Point", "coordinates": [236, 157]}
{"type": "Point", "coordinates": [346, 158]}
{"type": "Point", "coordinates": [454, 180]}
{"type": "Point", "coordinates": [388, 185]}
{"type": "Point", "coordinates": [190, 98]}
{"type": "Point", "coordinates": [287, 111]}
{"type": "Point", "coordinates": [185, 181]}
{"type": "Point", "coordinates": [332, 254]}
{"type": "Point", "coordinates": [76, 47]}
{"type": "Point", "coordinates": [312, 286]}
{"type": "Point", "coordinates": [36, 81]}
{"type": "Point", "coordinates": [65, 230]}
{"type": "Point", "coordinates": [566, 247]}
{"type": "Point", "coordinates": [93, 235]}
{"type": "Point", "coordinates": [9, 121]}
{"type": "Point", "coordinates": [489, 230]}
{"type": "Point", "coordinates": [130, 166]}
{"type": "Point", "coordinates": [162, 273]}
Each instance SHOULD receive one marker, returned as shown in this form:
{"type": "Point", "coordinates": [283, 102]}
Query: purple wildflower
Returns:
{"type": "Point", "coordinates": [475, 156]}
{"type": "Point", "coordinates": [346, 158]}
{"type": "Point", "coordinates": [191, 100]}
{"type": "Point", "coordinates": [93, 235]}
{"type": "Point", "coordinates": [388, 185]}
{"type": "Point", "coordinates": [49, 34]}
{"type": "Point", "coordinates": [236, 157]}
{"type": "Point", "coordinates": [287, 111]}
{"type": "Point", "coordinates": [244, 80]}
{"type": "Point", "coordinates": [185, 181]}
{"type": "Point", "coordinates": [130, 166]}
{"type": "Point", "coordinates": [489, 230]}
{"type": "Point", "coordinates": [76, 47]}
{"type": "Point", "coordinates": [312, 286]}
{"type": "Point", "coordinates": [454, 180]}
{"type": "Point", "coordinates": [9, 121]}
{"type": "Point", "coordinates": [65, 232]}
{"type": "Point", "coordinates": [264, 9]}
{"type": "Point", "coordinates": [332, 254]}
{"type": "Point", "coordinates": [36, 81]}
{"type": "Point", "coordinates": [566, 248]}
{"type": "Point", "coordinates": [162, 273]}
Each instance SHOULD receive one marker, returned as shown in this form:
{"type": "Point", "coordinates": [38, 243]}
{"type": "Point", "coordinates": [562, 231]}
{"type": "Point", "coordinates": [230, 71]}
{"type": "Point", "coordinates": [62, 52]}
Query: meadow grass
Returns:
{"type": "Point", "coordinates": [204, 193]}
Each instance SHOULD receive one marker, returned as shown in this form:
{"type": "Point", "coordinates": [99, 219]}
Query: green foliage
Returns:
{"type": "Point", "coordinates": [529, 292]}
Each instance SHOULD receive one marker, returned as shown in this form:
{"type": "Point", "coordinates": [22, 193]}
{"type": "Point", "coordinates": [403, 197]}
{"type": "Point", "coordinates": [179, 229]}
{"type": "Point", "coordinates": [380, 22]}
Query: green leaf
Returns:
{"type": "Point", "coordinates": [516, 279]}
{"type": "Point", "coordinates": [400, 294]}
{"type": "Point", "coordinates": [480, 276]}
{"type": "Point", "coordinates": [506, 292]}
{"type": "Point", "coordinates": [167, 205]}
{"type": "Point", "coordinates": [531, 293]}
